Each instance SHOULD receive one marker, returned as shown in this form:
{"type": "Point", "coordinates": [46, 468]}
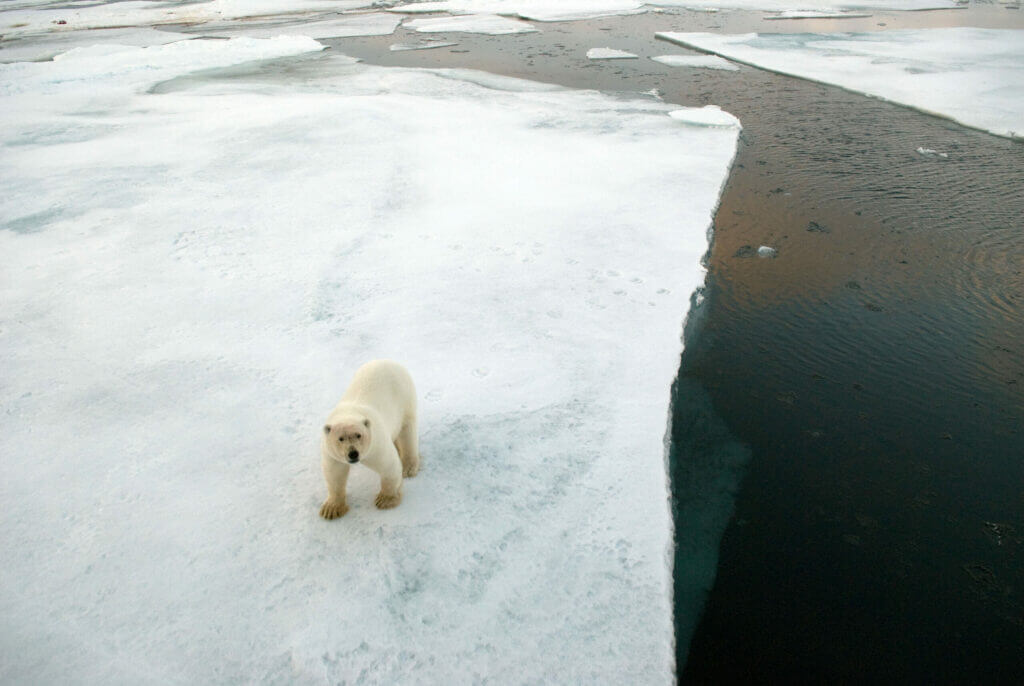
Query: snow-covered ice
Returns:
{"type": "Point", "coordinates": [609, 54]}
{"type": "Point", "coordinates": [35, 48]}
{"type": "Point", "coordinates": [189, 275]}
{"type": "Point", "coordinates": [359, 24]}
{"type": "Point", "coordinates": [15, 20]}
{"type": "Point", "coordinates": [696, 61]}
{"type": "Point", "coordinates": [709, 115]}
{"type": "Point", "coordinates": [535, 10]}
{"type": "Point", "coordinates": [815, 5]}
{"type": "Point", "coordinates": [469, 23]}
{"type": "Point", "coordinates": [973, 76]}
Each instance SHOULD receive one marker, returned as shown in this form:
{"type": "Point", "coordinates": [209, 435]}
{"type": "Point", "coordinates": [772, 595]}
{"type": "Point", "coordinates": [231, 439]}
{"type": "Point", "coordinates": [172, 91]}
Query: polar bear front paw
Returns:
{"type": "Point", "coordinates": [332, 509]}
{"type": "Point", "coordinates": [386, 502]}
{"type": "Point", "coordinates": [411, 470]}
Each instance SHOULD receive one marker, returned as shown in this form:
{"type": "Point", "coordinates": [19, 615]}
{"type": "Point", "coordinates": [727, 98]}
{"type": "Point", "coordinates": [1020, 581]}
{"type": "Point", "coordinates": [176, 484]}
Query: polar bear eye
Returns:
{"type": "Point", "coordinates": [358, 436]}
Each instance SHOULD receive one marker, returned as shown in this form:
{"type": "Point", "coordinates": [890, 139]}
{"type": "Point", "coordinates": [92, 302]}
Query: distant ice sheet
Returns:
{"type": "Point", "coordinates": [535, 10]}
{"type": "Point", "coordinates": [88, 15]}
{"type": "Point", "coordinates": [815, 5]}
{"type": "Point", "coordinates": [362, 24]}
{"type": "Point", "coordinates": [470, 23]}
{"type": "Point", "coordinates": [188, 279]}
{"type": "Point", "coordinates": [44, 48]}
{"type": "Point", "coordinates": [973, 76]}
{"type": "Point", "coordinates": [609, 54]}
{"type": "Point", "coordinates": [696, 61]}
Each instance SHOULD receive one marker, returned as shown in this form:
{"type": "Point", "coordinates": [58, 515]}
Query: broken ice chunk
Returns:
{"type": "Point", "coordinates": [932, 154]}
{"type": "Point", "coordinates": [696, 61]}
{"type": "Point", "coordinates": [609, 54]}
{"type": "Point", "coordinates": [709, 115]}
{"type": "Point", "coordinates": [767, 251]}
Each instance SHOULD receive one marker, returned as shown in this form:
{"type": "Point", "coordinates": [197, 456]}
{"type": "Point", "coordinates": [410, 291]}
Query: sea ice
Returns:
{"type": "Point", "coordinates": [535, 10]}
{"type": "Point", "coordinates": [360, 24]}
{"type": "Point", "coordinates": [709, 115]}
{"type": "Point", "coordinates": [469, 23]}
{"type": "Point", "coordinates": [928, 152]}
{"type": "Point", "coordinates": [36, 48]}
{"type": "Point", "coordinates": [767, 251]}
{"type": "Point", "coordinates": [18, 20]}
{"type": "Point", "coordinates": [973, 76]}
{"type": "Point", "coordinates": [187, 281]}
{"type": "Point", "coordinates": [696, 61]}
{"type": "Point", "coordinates": [609, 54]}
{"type": "Point", "coordinates": [425, 45]}
{"type": "Point", "coordinates": [817, 14]}
{"type": "Point", "coordinates": [816, 5]}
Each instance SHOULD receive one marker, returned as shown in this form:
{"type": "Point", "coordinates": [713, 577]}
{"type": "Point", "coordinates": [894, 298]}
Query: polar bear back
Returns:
{"type": "Point", "coordinates": [386, 387]}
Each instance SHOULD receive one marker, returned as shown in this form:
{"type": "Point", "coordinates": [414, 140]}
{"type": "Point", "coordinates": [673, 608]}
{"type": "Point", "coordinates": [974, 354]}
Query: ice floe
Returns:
{"type": "Point", "coordinates": [535, 10]}
{"type": "Point", "coordinates": [933, 154]}
{"type": "Point", "coordinates": [425, 45]}
{"type": "Point", "coordinates": [469, 23]}
{"type": "Point", "coordinates": [818, 14]}
{"type": "Point", "coordinates": [973, 76]}
{"type": "Point", "coordinates": [359, 24]}
{"type": "Point", "coordinates": [813, 5]}
{"type": "Point", "coordinates": [56, 17]}
{"type": "Point", "coordinates": [33, 49]}
{"type": "Point", "coordinates": [696, 61]}
{"type": "Point", "coordinates": [609, 54]}
{"type": "Point", "coordinates": [709, 115]}
{"type": "Point", "coordinates": [187, 280]}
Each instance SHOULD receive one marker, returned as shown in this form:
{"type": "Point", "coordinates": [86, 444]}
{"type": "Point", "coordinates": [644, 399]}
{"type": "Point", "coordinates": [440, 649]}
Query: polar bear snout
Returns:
{"type": "Point", "coordinates": [353, 456]}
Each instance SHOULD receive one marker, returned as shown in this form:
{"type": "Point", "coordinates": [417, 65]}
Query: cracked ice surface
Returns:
{"type": "Point", "coordinates": [187, 281]}
{"type": "Point", "coordinates": [972, 76]}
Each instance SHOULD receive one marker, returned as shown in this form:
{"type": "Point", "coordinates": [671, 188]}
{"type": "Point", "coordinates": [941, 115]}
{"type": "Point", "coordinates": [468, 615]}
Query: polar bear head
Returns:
{"type": "Point", "coordinates": [348, 438]}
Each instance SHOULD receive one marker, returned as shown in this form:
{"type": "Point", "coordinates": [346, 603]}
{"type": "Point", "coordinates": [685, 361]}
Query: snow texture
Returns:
{"type": "Point", "coordinates": [696, 61]}
{"type": "Point", "coordinates": [188, 277]}
{"type": "Point", "coordinates": [470, 23]}
{"type": "Point", "coordinates": [609, 54]}
{"type": "Point", "coordinates": [973, 76]}
{"type": "Point", "coordinates": [362, 24]}
{"type": "Point", "coordinates": [709, 115]}
{"type": "Point", "coordinates": [818, 5]}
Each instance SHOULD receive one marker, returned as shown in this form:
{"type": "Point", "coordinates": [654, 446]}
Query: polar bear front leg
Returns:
{"type": "Point", "coordinates": [336, 476]}
{"type": "Point", "coordinates": [390, 483]}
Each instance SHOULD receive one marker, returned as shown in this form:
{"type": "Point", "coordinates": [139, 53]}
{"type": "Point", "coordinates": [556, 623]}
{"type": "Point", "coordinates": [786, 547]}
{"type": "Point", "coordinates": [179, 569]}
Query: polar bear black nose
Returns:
{"type": "Point", "coordinates": [353, 455]}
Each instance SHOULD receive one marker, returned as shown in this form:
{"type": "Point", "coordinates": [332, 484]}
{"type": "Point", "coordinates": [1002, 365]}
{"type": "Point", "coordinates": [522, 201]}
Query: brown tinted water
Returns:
{"type": "Point", "coordinates": [874, 367]}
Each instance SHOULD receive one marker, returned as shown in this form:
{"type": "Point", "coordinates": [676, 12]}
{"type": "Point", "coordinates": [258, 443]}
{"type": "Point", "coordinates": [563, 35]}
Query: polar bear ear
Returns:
{"type": "Point", "coordinates": [327, 428]}
{"type": "Point", "coordinates": [366, 423]}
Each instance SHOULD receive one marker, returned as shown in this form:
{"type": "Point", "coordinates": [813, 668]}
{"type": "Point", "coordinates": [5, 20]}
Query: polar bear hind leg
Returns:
{"type": "Point", "coordinates": [408, 448]}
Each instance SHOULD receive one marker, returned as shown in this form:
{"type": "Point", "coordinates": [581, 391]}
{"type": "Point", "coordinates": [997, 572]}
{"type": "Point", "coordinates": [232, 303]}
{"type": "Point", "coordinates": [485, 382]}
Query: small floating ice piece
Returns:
{"type": "Point", "coordinates": [490, 24]}
{"type": "Point", "coordinates": [816, 14]}
{"type": "Point", "coordinates": [372, 24]}
{"type": "Point", "coordinates": [697, 61]}
{"type": "Point", "coordinates": [426, 45]}
{"type": "Point", "coordinates": [767, 251]}
{"type": "Point", "coordinates": [709, 115]}
{"type": "Point", "coordinates": [534, 10]}
{"type": "Point", "coordinates": [609, 54]}
{"type": "Point", "coordinates": [932, 154]}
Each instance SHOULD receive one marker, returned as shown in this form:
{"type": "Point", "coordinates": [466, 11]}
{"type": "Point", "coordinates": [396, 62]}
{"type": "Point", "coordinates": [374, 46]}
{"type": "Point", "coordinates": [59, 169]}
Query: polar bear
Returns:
{"type": "Point", "coordinates": [373, 424]}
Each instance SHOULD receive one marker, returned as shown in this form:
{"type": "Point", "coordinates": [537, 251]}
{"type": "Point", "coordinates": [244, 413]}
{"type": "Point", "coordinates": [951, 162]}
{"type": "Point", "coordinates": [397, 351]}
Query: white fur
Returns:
{"type": "Point", "coordinates": [376, 418]}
